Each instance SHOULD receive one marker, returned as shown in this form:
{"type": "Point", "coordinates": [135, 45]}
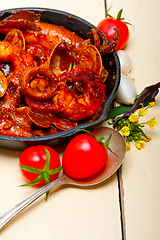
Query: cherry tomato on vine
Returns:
{"type": "Point", "coordinates": [84, 156]}
{"type": "Point", "coordinates": [39, 164]}
{"type": "Point", "coordinates": [108, 24]}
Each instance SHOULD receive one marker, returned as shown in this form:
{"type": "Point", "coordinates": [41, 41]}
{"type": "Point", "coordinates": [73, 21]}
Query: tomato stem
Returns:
{"type": "Point", "coordinates": [46, 177]}
{"type": "Point", "coordinates": [119, 16]}
{"type": "Point", "coordinates": [86, 131]}
{"type": "Point", "coordinates": [100, 139]}
{"type": "Point", "coordinates": [107, 12]}
{"type": "Point", "coordinates": [105, 144]}
{"type": "Point", "coordinates": [47, 180]}
{"type": "Point", "coordinates": [42, 173]}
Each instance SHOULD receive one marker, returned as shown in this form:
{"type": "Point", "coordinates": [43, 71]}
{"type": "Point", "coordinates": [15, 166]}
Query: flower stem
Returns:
{"type": "Point", "coordinates": [145, 94]}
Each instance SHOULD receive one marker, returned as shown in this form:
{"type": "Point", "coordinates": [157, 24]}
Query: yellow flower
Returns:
{"type": "Point", "coordinates": [139, 144]}
{"type": "Point", "coordinates": [151, 104]}
{"type": "Point", "coordinates": [125, 131]}
{"type": "Point", "coordinates": [128, 146]}
{"type": "Point", "coordinates": [142, 112]}
{"type": "Point", "coordinates": [133, 118]}
{"type": "Point", "coordinates": [152, 123]}
{"type": "Point", "coordinates": [147, 139]}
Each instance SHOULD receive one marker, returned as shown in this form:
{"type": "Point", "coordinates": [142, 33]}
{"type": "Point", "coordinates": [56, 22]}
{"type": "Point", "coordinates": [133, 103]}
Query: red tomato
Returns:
{"type": "Point", "coordinates": [107, 25]}
{"type": "Point", "coordinates": [83, 157]}
{"type": "Point", "coordinates": [35, 157]}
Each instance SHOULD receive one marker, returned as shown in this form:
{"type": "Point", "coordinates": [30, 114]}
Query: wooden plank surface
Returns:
{"type": "Point", "coordinates": [93, 213]}
{"type": "Point", "coordinates": [70, 213]}
{"type": "Point", "coordinates": [141, 169]}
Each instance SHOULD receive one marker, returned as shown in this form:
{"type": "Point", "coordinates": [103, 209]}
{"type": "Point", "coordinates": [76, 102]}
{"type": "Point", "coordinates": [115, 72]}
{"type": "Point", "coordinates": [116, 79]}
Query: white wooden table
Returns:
{"type": "Point", "coordinates": [96, 213]}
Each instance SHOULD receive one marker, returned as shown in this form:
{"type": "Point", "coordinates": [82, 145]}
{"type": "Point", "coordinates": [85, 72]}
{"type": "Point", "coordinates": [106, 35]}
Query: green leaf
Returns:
{"type": "Point", "coordinates": [38, 179]}
{"type": "Point", "coordinates": [100, 139]}
{"type": "Point", "coordinates": [30, 169]}
{"type": "Point", "coordinates": [113, 152]}
{"type": "Point", "coordinates": [128, 23]}
{"type": "Point", "coordinates": [47, 194]}
{"type": "Point", "coordinates": [108, 140]}
{"type": "Point", "coordinates": [46, 167]}
{"type": "Point", "coordinates": [120, 14]}
{"type": "Point", "coordinates": [118, 111]}
{"type": "Point", "coordinates": [86, 131]}
{"type": "Point", "coordinates": [43, 173]}
{"type": "Point", "coordinates": [107, 14]}
{"type": "Point", "coordinates": [53, 171]}
{"type": "Point", "coordinates": [46, 177]}
{"type": "Point", "coordinates": [143, 134]}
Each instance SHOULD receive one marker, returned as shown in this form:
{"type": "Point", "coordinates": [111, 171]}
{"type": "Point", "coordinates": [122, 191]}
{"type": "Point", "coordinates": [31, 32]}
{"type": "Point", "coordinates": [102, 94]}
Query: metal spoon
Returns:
{"type": "Point", "coordinates": [117, 145]}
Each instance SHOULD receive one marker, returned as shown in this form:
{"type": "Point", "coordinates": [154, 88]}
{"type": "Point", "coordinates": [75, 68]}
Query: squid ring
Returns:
{"type": "Point", "coordinates": [39, 84]}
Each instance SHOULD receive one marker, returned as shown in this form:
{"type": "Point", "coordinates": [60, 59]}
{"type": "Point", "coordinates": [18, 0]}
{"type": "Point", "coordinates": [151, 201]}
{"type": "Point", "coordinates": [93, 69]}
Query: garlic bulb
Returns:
{"type": "Point", "coordinates": [125, 61]}
{"type": "Point", "coordinates": [126, 93]}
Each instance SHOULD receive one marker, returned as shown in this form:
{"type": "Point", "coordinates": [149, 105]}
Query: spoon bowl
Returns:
{"type": "Point", "coordinates": [115, 159]}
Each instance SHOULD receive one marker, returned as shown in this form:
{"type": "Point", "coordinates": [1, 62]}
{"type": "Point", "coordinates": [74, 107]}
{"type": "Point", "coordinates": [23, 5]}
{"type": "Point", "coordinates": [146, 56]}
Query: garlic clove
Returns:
{"type": "Point", "coordinates": [126, 93]}
{"type": "Point", "coordinates": [125, 61]}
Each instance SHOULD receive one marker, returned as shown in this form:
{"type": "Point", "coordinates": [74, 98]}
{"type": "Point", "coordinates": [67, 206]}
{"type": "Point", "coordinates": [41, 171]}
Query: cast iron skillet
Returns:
{"type": "Point", "coordinates": [110, 61]}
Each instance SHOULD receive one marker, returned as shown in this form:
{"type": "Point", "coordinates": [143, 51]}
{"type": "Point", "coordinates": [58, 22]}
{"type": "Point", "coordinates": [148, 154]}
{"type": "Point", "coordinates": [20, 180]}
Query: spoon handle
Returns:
{"type": "Point", "coordinates": [8, 215]}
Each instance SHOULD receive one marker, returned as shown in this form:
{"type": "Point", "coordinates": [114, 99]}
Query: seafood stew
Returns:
{"type": "Point", "coordinates": [63, 80]}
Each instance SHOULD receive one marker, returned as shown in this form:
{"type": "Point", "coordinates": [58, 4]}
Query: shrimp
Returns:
{"type": "Point", "coordinates": [49, 35]}
{"type": "Point", "coordinates": [20, 60]}
{"type": "Point", "coordinates": [81, 97]}
{"type": "Point", "coordinates": [17, 57]}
